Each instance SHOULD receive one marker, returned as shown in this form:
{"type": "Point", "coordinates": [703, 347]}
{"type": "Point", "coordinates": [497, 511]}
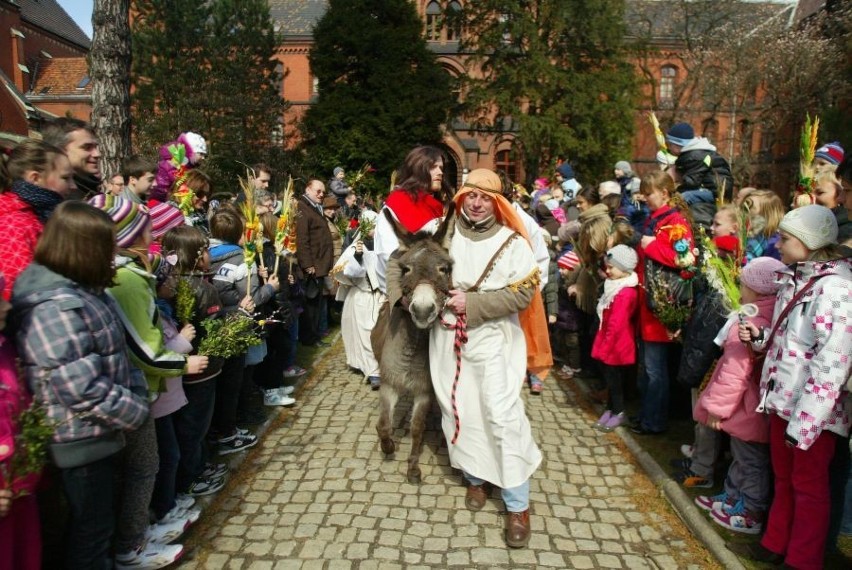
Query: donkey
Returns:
{"type": "Point", "coordinates": [421, 269]}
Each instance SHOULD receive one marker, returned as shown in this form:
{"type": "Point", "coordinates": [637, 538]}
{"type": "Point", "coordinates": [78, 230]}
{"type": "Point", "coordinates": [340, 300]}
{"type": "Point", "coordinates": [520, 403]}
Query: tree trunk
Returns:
{"type": "Point", "coordinates": [109, 69]}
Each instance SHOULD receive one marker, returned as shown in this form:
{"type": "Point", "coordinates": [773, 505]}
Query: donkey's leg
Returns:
{"type": "Point", "coordinates": [420, 409]}
{"type": "Point", "coordinates": [388, 397]}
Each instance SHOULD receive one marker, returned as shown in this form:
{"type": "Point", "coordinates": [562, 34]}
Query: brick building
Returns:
{"type": "Point", "coordinates": [43, 72]}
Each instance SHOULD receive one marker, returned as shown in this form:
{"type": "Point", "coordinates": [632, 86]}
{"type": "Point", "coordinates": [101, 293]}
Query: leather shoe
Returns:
{"type": "Point", "coordinates": [476, 496]}
{"type": "Point", "coordinates": [518, 529]}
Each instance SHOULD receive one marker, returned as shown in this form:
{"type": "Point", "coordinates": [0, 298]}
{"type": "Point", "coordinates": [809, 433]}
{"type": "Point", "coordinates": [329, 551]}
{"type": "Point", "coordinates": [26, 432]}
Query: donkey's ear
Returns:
{"type": "Point", "coordinates": [405, 238]}
{"type": "Point", "coordinates": [444, 235]}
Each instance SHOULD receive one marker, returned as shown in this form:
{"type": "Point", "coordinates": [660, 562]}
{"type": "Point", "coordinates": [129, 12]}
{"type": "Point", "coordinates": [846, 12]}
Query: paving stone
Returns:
{"type": "Point", "coordinates": [317, 493]}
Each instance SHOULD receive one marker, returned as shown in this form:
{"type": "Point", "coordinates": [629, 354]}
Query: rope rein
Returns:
{"type": "Point", "coordinates": [460, 339]}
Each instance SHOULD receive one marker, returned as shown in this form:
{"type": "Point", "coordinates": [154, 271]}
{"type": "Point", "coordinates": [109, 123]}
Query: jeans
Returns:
{"type": "Point", "coordinates": [695, 196]}
{"type": "Point", "coordinates": [89, 490]}
{"type": "Point", "coordinates": [163, 499]}
{"type": "Point", "coordinates": [654, 385]}
{"type": "Point", "coordinates": [269, 374]}
{"type": "Point", "coordinates": [191, 423]}
{"type": "Point", "coordinates": [517, 499]}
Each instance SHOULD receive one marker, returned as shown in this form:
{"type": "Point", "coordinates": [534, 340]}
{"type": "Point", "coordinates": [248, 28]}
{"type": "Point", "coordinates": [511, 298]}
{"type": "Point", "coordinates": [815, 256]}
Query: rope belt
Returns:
{"type": "Point", "coordinates": [460, 340]}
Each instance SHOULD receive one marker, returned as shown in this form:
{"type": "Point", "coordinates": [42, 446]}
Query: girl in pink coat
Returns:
{"type": "Point", "coordinates": [615, 343]}
{"type": "Point", "coordinates": [729, 403]}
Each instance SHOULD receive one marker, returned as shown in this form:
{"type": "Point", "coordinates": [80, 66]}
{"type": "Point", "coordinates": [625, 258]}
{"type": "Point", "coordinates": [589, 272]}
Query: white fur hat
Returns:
{"type": "Point", "coordinates": [813, 225]}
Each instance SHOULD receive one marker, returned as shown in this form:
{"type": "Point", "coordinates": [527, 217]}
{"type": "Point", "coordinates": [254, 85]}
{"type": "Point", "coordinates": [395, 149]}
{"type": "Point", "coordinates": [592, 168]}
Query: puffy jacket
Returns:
{"type": "Point", "coordinates": [733, 392]}
{"type": "Point", "coordinates": [74, 357]}
{"type": "Point", "coordinates": [699, 166]}
{"type": "Point", "coordinates": [615, 343]}
{"type": "Point", "coordinates": [660, 224]}
{"type": "Point", "coordinates": [134, 297]}
{"type": "Point", "coordinates": [20, 229]}
{"type": "Point", "coordinates": [231, 276]}
{"type": "Point", "coordinates": [13, 399]}
{"type": "Point", "coordinates": [699, 350]}
{"type": "Point", "coordinates": [807, 363]}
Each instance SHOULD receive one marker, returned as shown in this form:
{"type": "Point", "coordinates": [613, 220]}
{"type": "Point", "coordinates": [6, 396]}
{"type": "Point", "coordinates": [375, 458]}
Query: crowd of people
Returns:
{"type": "Point", "coordinates": [596, 281]}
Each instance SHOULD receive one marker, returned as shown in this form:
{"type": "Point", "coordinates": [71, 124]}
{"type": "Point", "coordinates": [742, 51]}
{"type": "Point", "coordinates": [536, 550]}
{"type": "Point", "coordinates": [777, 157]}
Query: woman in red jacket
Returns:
{"type": "Point", "coordinates": [668, 241]}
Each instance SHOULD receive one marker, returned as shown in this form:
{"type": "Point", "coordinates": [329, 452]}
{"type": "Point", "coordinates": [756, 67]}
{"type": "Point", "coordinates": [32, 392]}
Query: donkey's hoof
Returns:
{"type": "Point", "coordinates": [388, 447]}
{"type": "Point", "coordinates": [414, 477]}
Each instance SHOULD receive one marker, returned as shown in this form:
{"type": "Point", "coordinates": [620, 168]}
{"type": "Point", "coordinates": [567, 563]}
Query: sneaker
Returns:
{"type": "Point", "coordinates": [179, 513]}
{"type": "Point", "coordinates": [184, 501]}
{"type": "Point", "coordinates": [149, 556]}
{"type": "Point", "coordinates": [294, 372]}
{"type": "Point", "coordinates": [236, 443]}
{"type": "Point", "coordinates": [168, 531]}
{"type": "Point", "coordinates": [686, 450]}
{"type": "Point", "coordinates": [720, 502]}
{"type": "Point", "coordinates": [205, 486]}
{"type": "Point", "coordinates": [614, 421]}
{"type": "Point", "coordinates": [692, 481]}
{"type": "Point", "coordinates": [536, 385]}
{"type": "Point", "coordinates": [738, 519]}
{"type": "Point", "coordinates": [603, 419]}
{"type": "Point", "coordinates": [566, 371]}
{"type": "Point", "coordinates": [276, 398]}
{"type": "Point", "coordinates": [375, 382]}
{"type": "Point", "coordinates": [214, 471]}
{"type": "Point", "coordinates": [286, 390]}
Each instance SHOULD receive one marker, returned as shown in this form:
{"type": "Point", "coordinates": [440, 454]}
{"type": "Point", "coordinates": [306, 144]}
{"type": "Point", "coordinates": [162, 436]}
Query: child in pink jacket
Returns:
{"type": "Point", "coordinates": [615, 343]}
{"type": "Point", "coordinates": [729, 403]}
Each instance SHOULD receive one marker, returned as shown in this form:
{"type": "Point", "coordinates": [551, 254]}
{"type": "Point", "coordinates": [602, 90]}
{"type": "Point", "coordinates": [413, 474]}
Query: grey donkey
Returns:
{"type": "Point", "coordinates": [419, 276]}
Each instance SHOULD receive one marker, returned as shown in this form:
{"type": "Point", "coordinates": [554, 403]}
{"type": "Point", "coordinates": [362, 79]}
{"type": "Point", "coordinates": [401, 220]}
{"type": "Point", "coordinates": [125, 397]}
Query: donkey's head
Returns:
{"type": "Point", "coordinates": [426, 269]}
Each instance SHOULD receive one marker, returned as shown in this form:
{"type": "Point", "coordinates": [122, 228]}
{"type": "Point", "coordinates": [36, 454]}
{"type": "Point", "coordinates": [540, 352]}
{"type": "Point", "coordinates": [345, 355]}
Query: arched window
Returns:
{"type": "Point", "coordinates": [433, 21]}
{"type": "Point", "coordinates": [668, 74]}
{"type": "Point", "coordinates": [453, 21]}
{"type": "Point", "coordinates": [506, 161]}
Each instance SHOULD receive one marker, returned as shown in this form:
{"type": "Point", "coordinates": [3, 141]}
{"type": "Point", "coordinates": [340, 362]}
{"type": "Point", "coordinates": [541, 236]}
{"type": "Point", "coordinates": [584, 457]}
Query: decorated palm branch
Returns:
{"type": "Point", "coordinates": [252, 229]}
{"type": "Point", "coordinates": [804, 194]}
{"type": "Point", "coordinates": [286, 225]}
{"type": "Point", "coordinates": [722, 273]}
{"type": "Point", "coordinates": [356, 178]}
{"type": "Point", "coordinates": [658, 134]}
{"type": "Point", "coordinates": [365, 226]}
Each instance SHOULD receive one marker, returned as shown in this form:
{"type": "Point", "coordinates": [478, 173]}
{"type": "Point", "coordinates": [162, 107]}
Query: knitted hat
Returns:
{"type": "Point", "coordinates": [624, 166]}
{"type": "Point", "coordinates": [813, 225]}
{"type": "Point", "coordinates": [568, 231]}
{"type": "Point", "coordinates": [680, 134]}
{"type": "Point", "coordinates": [130, 219]}
{"type": "Point", "coordinates": [759, 275]}
{"type": "Point", "coordinates": [622, 257]}
{"type": "Point", "coordinates": [197, 142]}
{"type": "Point", "coordinates": [338, 170]}
{"type": "Point", "coordinates": [163, 218]}
{"type": "Point", "coordinates": [831, 153]}
{"type": "Point", "coordinates": [568, 261]}
{"type": "Point", "coordinates": [609, 188]}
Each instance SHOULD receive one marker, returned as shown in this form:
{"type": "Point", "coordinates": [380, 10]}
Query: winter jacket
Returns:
{"type": "Point", "coordinates": [760, 246]}
{"type": "Point", "coordinates": [20, 229]}
{"type": "Point", "coordinates": [546, 219]}
{"type": "Point", "coordinates": [231, 276]}
{"type": "Point", "coordinates": [733, 392]}
{"type": "Point", "coordinates": [615, 343]}
{"type": "Point", "coordinates": [844, 225]}
{"type": "Point", "coordinates": [660, 224]}
{"type": "Point", "coordinates": [567, 315]}
{"type": "Point", "coordinates": [74, 356]}
{"type": "Point", "coordinates": [316, 248]}
{"type": "Point", "coordinates": [699, 166]}
{"type": "Point", "coordinates": [134, 295]}
{"type": "Point", "coordinates": [699, 351]}
{"type": "Point", "coordinates": [13, 399]}
{"type": "Point", "coordinates": [807, 363]}
{"type": "Point", "coordinates": [550, 291]}
{"type": "Point", "coordinates": [339, 188]}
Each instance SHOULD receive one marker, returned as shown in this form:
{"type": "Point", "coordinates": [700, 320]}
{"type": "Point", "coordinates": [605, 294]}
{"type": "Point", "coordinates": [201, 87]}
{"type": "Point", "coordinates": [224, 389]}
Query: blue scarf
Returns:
{"type": "Point", "coordinates": [42, 200]}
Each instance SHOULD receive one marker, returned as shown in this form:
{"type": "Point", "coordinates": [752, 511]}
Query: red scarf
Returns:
{"type": "Point", "coordinates": [413, 214]}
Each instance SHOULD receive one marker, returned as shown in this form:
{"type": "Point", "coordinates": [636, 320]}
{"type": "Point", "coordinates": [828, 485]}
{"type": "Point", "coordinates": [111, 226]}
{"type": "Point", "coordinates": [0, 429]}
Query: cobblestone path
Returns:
{"type": "Point", "coordinates": [316, 493]}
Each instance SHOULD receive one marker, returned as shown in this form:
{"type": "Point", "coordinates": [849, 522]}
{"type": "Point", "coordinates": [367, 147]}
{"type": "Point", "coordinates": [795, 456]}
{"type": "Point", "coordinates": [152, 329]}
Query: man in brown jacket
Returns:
{"type": "Point", "coordinates": [315, 254]}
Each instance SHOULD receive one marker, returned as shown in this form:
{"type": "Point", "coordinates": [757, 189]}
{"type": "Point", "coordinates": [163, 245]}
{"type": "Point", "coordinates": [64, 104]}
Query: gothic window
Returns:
{"type": "Point", "coordinates": [453, 21]}
{"type": "Point", "coordinates": [506, 161]}
{"type": "Point", "coordinates": [433, 21]}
